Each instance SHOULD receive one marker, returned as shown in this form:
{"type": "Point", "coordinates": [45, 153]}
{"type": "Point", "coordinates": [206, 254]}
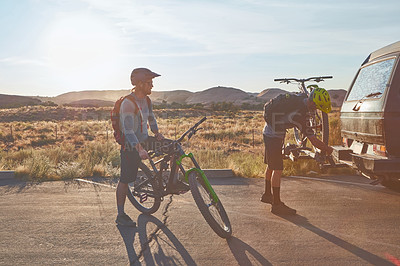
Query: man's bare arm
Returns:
{"type": "Point", "coordinates": [320, 145]}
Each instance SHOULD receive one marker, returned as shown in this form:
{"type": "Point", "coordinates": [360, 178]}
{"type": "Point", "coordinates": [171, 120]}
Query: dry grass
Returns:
{"type": "Point", "coordinates": [44, 150]}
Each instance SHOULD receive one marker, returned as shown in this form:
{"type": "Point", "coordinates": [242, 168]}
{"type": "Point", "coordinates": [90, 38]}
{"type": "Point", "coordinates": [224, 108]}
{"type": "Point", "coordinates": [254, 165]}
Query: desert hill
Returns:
{"type": "Point", "coordinates": [8, 101]}
{"type": "Point", "coordinates": [218, 94]}
{"type": "Point", "coordinates": [268, 94]}
{"type": "Point", "coordinates": [178, 96]}
{"type": "Point", "coordinates": [106, 95]}
{"type": "Point", "coordinates": [91, 103]}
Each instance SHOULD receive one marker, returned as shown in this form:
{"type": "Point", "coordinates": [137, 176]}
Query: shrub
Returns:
{"type": "Point", "coordinates": [22, 172]}
{"type": "Point", "coordinates": [64, 153]}
{"type": "Point", "coordinates": [68, 170]}
{"type": "Point", "coordinates": [42, 142]}
{"type": "Point", "coordinates": [40, 167]}
{"type": "Point", "coordinates": [247, 164]}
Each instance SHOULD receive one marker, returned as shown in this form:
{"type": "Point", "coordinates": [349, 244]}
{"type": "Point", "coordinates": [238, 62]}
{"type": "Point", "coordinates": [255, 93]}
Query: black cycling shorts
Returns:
{"type": "Point", "coordinates": [130, 160]}
{"type": "Point", "coordinates": [273, 153]}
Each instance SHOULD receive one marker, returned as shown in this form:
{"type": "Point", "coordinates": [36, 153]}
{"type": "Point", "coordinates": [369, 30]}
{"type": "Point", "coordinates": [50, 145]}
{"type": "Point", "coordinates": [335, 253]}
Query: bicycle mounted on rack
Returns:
{"type": "Point", "coordinates": [317, 121]}
{"type": "Point", "coordinates": [151, 187]}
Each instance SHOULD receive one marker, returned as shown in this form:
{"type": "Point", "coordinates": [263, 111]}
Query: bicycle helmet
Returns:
{"type": "Point", "coordinates": [142, 74]}
{"type": "Point", "coordinates": [321, 98]}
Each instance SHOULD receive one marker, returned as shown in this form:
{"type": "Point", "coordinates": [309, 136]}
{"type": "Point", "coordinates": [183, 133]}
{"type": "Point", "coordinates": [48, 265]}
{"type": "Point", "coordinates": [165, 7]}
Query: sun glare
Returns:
{"type": "Point", "coordinates": [81, 51]}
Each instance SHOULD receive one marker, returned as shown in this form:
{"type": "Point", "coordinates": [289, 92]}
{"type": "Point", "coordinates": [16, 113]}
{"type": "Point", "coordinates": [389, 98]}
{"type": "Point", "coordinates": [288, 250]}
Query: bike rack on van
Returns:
{"type": "Point", "coordinates": [293, 152]}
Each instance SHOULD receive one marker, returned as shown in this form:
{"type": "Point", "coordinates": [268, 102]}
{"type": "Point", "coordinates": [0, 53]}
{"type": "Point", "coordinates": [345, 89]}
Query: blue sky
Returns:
{"type": "Point", "coordinates": [51, 47]}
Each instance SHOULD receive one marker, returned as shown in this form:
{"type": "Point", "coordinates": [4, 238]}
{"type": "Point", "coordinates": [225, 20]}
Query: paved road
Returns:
{"type": "Point", "coordinates": [340, 221]}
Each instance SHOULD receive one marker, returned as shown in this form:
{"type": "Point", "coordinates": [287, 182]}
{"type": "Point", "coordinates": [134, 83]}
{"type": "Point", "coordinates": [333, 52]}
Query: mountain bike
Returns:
{"type": "Point", "coordinates": [317, 120]}
{"type": "Point", "coordinates": [151, 186]}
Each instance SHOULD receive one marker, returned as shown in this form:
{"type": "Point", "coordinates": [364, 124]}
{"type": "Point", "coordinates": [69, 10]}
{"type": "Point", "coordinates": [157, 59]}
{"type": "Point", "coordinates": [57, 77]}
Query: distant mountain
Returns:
{"type": "Point", "coordinates": [218, 94]}
{"type": "Point", "coordinates": [91, 103]}
{"type": "Point", "coordinates": [11, 101]}
{"type": "Point", "coordinates": [268, 94]}
{"type": "Point", "coordinates": [178, 96]}
{"type": "Point", "coordinates": [106, 95]}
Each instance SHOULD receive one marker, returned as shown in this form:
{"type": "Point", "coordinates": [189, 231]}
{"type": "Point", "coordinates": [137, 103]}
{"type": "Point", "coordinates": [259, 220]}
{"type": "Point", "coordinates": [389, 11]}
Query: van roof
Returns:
{"type": "Point", "coordinates": [391, 48]}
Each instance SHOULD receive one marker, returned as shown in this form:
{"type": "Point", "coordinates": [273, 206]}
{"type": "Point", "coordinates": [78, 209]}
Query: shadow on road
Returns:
{"type": "Point", "coordinates": [359, 252]}
{"type": "Point", "coordinates": [237, 181]}
{"type": "Point", "coordinates": [157, 255]}
{"type": "Point", "coordinates": [128, 235]}
{"type": "Point", "coordinates": [16, 185]}
{"type": "Point", "coordinates": [240, 251]}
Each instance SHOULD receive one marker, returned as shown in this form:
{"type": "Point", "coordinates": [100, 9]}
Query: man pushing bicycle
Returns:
{"type": "Point", "coordinates": [281, 113]}
{"type": "Point", "coordinates": [130, 117]}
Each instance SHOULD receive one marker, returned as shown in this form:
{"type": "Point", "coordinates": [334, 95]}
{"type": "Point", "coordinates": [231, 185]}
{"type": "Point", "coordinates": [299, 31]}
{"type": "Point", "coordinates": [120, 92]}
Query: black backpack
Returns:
{"type": "Point", "coordinates": [276, 104]}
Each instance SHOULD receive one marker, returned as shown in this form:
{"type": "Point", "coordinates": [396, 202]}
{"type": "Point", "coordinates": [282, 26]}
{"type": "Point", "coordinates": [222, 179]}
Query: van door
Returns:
{"type": "Point", "coordinates": [362, 112]}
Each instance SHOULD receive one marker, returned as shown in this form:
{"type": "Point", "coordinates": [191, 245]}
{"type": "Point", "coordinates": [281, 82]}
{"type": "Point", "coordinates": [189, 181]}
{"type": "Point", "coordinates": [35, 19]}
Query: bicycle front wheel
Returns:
{"type": "Point", "coordinates": [213, 212]}
{"type": "Point", "coordinates": [144, 192]}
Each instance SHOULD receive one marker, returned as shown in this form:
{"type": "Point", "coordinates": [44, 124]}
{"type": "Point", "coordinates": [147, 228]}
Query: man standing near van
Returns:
{"type": "Point", "coordinates": [281, 113]}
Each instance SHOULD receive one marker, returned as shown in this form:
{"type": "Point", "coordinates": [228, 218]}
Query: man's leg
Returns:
{"type": "Point", "coordinates": [276, 185]}
{"type": "Point", "coordinates": [122, 190]}
{"type": "Point", "coordinates": [267, 196]}
{"type": "Point", "coordinates": [122, 217]}
{"type": "Point", "coordinates": [129, 167]}
{"type": "Point", "coordinates": [268, 176]}
{"type": "Point", "coordinates": [278, 207]}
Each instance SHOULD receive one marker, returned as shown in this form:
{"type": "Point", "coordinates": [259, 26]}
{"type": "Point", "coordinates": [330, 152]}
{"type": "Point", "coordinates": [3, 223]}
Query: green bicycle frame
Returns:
{"type": "Point", "coordinates": [201, 172]}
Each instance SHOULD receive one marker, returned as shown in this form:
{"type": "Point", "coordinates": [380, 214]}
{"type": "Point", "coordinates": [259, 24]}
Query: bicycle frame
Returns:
{"type": "Point", "coordinates": [177, 162]}
{"type": "Point", "coordinates": [154, 185]}
{"type": "Point", "coordinates": [198, 169]}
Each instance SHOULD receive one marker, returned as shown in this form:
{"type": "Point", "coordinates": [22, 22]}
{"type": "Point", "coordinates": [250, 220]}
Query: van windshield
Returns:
{"type": "Point", "coordinates": [372, 80]}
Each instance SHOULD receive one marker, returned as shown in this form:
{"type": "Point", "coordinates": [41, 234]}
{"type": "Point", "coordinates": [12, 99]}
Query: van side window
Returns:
{"type": "Point", "coordinates": [372, 79]}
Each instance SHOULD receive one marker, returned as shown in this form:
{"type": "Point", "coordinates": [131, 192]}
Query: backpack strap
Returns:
{"type": "Point", "coordinates": [133, 100]}
{"type": "Point", "coordinates": [148, 100]}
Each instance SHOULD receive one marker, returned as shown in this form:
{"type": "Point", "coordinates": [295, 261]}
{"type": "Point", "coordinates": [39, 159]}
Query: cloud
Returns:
{"type": "Point", "coordinates": [23, 61]}
{"type": "Point", "coordinates": [196, 28]}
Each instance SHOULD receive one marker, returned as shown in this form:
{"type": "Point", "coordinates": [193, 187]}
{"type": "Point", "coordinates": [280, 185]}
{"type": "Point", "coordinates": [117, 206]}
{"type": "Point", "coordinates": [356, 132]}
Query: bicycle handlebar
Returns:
{"type": "Point", "coordinates": [317, 79]}
{"type": "Point", "coordinates": [191, 129]}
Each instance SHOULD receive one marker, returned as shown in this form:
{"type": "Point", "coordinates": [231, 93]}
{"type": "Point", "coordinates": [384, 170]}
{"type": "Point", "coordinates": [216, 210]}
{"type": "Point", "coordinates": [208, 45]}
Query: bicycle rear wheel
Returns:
{"type": "Point", "coordinates": [320, 124]}
{"type": "Point", "coordinates": [144, 192]}
{"type": "Point", "coordinates": [322, 120]}
{"type": "Point", "coordinates": [213, 212]}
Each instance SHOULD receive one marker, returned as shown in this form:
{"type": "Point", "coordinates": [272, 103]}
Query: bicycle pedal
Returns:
{"type": "Point", "coordinates": [143, 198]}
{"type": "Point", "coordinates": [183, 192]}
